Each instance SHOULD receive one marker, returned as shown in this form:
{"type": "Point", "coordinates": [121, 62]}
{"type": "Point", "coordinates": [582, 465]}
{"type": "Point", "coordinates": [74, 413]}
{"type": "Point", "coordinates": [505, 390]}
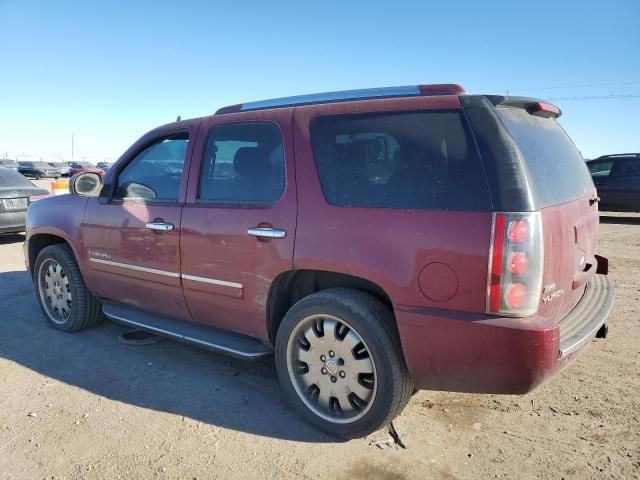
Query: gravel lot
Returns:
{"type": "Point", "coordinates": [87, 406]}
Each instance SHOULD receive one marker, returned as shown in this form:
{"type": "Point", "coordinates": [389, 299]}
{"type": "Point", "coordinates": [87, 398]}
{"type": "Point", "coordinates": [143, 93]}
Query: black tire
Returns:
{"type": "Point", "coordinates": [374, 323]}
{"type": "Point", "coordinates": [85, 309]}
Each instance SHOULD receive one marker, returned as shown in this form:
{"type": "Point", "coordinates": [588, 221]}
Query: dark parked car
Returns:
{"type": "Point", "coordinates": [617, 178]}
{"type": "Point", "coordinates": [38, 170]}
{"type": "Point", "coordinates": [12, 164]}
{"type": "Point", "coordinates": [104, 165]}
{"type": "Point", "coordinates": [15, 192]}
{"type": "Point", "coordinates": [375, 241]}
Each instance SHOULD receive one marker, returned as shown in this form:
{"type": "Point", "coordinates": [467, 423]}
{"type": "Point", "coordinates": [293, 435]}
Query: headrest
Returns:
{"type": "Point", "coordinates": [251, 162]}
{"type": "Point", "coordinates": [351, 155]}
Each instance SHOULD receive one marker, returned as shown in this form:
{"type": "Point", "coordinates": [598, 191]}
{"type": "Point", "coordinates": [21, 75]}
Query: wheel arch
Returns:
{"type": "Point", "coordinates": [291, 286]}
{"type": "Point", "coordinates": [39, 241]}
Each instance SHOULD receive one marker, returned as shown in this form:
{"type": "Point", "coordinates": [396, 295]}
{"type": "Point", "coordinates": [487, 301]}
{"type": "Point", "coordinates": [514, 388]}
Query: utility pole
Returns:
{"type": "Point", "coordinates": [72, 135]}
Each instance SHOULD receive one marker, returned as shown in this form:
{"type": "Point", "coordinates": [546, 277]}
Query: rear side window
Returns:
{"type": "Point", "coordinates": [557, 171]}
{"type": "Point", "coordinates": [412, 160]}
{"type": "Point", "coordinates": [243, 164]}
{"type": "Point", "coordinates": [626, 168]}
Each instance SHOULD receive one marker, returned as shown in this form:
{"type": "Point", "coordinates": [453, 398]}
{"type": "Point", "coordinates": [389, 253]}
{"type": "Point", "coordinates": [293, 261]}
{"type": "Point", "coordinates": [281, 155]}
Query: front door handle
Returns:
{"type": "Point", "coordinates": [160, 226]}
{"type": "Point", "coordinates": [267, 232]}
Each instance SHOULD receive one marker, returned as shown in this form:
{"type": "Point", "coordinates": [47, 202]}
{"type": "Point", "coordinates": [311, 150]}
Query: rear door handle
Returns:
{"type": "Point", "coordinates": [160, 226]}
{"type": "Point", "coordinates": [267, 232]}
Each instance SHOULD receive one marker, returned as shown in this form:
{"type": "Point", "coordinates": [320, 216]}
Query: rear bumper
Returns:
{"type": "Point", "coordinates": [464, 352]}
{"type": "Point", "coordinates": [12, 222]}
{"type": "Point", "coordinates": [584, 321]}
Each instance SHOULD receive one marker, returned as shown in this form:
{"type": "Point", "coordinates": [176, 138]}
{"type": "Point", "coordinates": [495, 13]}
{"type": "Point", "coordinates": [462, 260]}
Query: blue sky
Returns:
{"type": "Point", "coordinates": [109, 72]}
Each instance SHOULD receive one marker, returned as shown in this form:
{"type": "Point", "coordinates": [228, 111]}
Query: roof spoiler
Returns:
{"type": "Point", "coordinates": [534, 106]}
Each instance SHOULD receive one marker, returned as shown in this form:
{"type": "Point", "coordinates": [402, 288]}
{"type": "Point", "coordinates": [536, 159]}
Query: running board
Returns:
{"type": "Point", "coordinates": [210, 338]}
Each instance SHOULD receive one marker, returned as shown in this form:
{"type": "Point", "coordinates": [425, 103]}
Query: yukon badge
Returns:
{"type": "Point", "coordinates": [548, 294]}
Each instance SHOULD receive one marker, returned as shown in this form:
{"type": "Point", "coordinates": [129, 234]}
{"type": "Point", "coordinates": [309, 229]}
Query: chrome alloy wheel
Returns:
{"type": "Point", "coordinates": [331, 368]}
{"type": "Point", "coordinates": [55, 291]}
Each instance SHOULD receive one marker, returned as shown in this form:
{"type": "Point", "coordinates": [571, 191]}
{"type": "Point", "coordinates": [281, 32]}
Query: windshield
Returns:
{"type": "Point", "coordinates": [556, 168]}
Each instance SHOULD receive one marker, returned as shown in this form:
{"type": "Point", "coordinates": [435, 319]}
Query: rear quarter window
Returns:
{"type": "Point", "coordinates": [557, 171]}
{"type": "Point", "coordinates": [600, 169]}
{"type": "Point", "coordinates": [407, 160]}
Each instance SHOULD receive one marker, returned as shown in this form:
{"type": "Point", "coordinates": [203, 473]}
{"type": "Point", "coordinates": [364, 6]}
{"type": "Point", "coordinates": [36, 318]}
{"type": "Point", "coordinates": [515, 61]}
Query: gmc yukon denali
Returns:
{"type": "Point", "coordinates": [375, 242]}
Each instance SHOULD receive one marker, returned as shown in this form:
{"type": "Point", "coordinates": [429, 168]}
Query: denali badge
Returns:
{"type": "Point", "coordinates": [96, 254]}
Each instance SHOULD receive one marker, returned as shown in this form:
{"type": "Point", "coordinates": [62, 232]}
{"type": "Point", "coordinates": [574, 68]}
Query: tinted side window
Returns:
{"type": "Point", "coordinates": [155, 173]}
{"type": "Point", "coordinates": [626, 168]}
{"type": "Point", "coordinates": [600, 169]}
{"type": "Point", "coordinates": [423, 160]}
{"type": "Point", "coordinates": [243, 163]}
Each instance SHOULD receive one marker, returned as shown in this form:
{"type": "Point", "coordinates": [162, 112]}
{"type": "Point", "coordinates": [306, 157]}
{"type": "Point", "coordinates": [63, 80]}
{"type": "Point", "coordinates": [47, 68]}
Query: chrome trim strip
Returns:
{"type": "Point", "coordinates": [184, 338]}
{"type": "Point", "coordinates": [408, 90]}
{"type": "Point", "coordinates": [212, 281]}
{"type": "Point", "coordinates": [135, 267]}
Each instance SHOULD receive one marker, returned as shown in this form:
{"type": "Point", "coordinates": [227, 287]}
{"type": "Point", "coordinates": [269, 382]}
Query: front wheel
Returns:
{"type": "Point", "coordinates": [61, 292]}
{"type": "Point", "coordinates": [339, 360]}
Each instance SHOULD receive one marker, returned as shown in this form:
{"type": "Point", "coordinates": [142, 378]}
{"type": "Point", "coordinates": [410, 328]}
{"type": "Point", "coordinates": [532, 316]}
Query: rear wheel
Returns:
{"type": "Point", "coordinates": [61, 292]}
{"type": "Point", "coordinates": [339, 360]}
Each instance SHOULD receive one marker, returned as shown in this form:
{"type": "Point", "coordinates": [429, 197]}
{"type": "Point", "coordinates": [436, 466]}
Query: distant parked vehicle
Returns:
{"type": "Point", "coordinates": [15, 192]}
{"type": "Point", "coordinates": [38, 170]}
{"type": "Point", "coordinates": [85, 167]}
{"type": "Point", "coordinates": [11, 164]}
{"type": "Point", "coordinates": [104, 165]}
{"type": "Point", "coordinates": [617, 178]}
{"type": "Point", "coordinates": [62, 167]}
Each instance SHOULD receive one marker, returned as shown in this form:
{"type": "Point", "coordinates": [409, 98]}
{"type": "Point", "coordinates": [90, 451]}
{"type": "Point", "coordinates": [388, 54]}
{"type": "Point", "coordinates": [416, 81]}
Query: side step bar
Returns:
{"type": "Point", "coordinates": [216, 340]}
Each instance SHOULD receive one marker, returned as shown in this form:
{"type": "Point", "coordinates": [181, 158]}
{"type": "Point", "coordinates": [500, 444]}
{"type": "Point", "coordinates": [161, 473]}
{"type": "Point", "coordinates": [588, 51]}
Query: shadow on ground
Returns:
{"type": "Point", "coordinates": [8, 238]}
{"type": "Point", "coordinates": [166, 376]}
{"type": "Point", "coordinates": [619, 220]}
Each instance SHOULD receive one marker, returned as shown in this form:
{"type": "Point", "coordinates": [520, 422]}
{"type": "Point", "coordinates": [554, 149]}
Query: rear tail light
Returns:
{"type": "Point", "coordinates": [515, 264]}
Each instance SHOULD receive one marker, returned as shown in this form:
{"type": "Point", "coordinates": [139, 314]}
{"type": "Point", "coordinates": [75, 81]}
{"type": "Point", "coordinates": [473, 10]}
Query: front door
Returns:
{"type": "Point", "coordinates": [238, 224]}
{"type": "Point", "coordinates": [132, 239]}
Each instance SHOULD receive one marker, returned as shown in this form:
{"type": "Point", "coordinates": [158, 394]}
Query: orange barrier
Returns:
{"type": "Point", "coordinates": [60, 187]}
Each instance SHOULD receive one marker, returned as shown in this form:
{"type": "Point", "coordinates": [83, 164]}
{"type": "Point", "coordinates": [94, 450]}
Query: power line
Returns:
{"type": "Point", "coordinates": [598, 97]}
{"type": "Point", "coordinates": [589, 85]}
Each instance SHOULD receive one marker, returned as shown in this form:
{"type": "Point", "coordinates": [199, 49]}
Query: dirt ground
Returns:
{"type": "Point", "coordinates": [87, 406]}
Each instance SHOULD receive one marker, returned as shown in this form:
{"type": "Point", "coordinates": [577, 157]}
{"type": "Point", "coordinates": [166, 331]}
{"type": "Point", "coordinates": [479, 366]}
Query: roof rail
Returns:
{"type": "Point", "coordinates": [346, 95]}
{"type": "Point", "coordinates": [619, 155]}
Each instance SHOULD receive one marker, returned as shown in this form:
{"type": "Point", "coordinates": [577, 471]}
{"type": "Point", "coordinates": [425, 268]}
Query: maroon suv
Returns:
{"type": "Point", "coordinates": [376, 241]}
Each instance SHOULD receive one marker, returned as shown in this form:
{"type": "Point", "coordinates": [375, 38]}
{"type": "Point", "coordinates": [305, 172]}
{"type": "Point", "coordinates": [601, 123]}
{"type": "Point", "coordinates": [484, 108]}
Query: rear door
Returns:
{"type": "Point", "coordinates": [132, 239]}
{"type": "Point", "coordinates": [624, 184]}
{"type": "Point", "coordinates": [239, 223]}
{"type": "Point", "coordinates": [563, 190]}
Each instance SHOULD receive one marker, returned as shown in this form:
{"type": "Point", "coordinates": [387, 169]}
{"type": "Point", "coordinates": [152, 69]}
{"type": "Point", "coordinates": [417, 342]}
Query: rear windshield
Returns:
{"type": "Point", "coordinates": [412, 160]}
{"type": "Point", "coordinates": [556, 169]}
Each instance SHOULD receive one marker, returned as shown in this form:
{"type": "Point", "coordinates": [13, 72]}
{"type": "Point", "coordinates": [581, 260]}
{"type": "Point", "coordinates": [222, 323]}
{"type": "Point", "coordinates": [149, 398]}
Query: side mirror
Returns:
{"type": "Point", "coordinates": [85, 184]}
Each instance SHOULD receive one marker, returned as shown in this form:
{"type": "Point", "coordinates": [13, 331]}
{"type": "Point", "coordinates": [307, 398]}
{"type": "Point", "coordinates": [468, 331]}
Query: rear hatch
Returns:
{"type": "Point", "coordinates": [560, 187]}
